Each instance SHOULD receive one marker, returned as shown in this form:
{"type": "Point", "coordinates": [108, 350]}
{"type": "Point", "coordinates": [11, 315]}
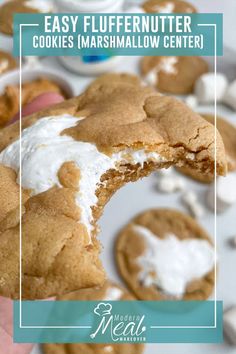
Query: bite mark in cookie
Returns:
{"type": "Point", "coordinates": [74, 157]}
{"type": "Point", "coordinates": [164, 254]}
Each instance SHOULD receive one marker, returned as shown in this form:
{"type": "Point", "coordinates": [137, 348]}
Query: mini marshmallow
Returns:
{"type": "Point", "coordinates": [170, 184]}
{"type": "Point", "coordinates": [151, 78]}
{"type": "Point", "coordinates": [191, 101]}
{"type": "Point", "coordinates": [32, 62]}
{"type": "Point", "coordinates": [230, 95]}
{"type": "Point", "coordinates": [205, 87]}
{"type": "Point", "coordinates": [225, 193]}
{"type": "Point", "coordinates": [230, 324]}
{"type": "Point", "coordinates": [190, 199]}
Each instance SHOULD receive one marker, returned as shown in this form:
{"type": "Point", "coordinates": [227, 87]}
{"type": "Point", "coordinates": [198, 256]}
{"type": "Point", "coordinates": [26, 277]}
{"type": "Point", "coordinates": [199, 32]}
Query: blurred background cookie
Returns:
{"type": "Point", "coordinates": [9, 100]}
{"type": "Point", "coordinates": [109, 292]}
{"type": "Point", "coordinates": [228, 134]}
{"type": "Point", "coordinates": [7, 62]}
{"type": "Point", "coordinates": [163, 254]}
{"type": "Point", "coordinates": [8, 8]}
{"type": "Point", "coordinates": [168, 6]}
{"type": "Point", "coordinates": [176, 75]}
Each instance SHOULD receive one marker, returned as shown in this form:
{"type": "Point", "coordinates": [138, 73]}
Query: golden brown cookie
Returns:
{"type": "Point", "coordinates": [164, 254]}
{"type": "Point", "coordinates": [7, 10]}
{"type": "Point", "coordinates": [228, 134]}
{"type": "Point", "coordinates": [7, 62]}
{"type": "Point", "coordinates": [168, 6]}
{"type": "Point", "coordinates": [117, 78]}
{"type": "Point", "coordinates": [75, 155]}
{"type": "Point", "coordinates": [109, 292]}
{"type": "Point", "coordinates": [9, 100]}
{"type": "Point", "coordinates": [176, 75]}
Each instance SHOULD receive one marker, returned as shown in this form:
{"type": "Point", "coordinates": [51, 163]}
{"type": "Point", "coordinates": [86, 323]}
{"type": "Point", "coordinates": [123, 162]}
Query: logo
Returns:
{"type": "Point", "coordinates": [118, 327]}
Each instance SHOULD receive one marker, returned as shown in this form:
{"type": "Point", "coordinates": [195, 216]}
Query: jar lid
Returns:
{"type": "Point", "coordinates": [89, 5]}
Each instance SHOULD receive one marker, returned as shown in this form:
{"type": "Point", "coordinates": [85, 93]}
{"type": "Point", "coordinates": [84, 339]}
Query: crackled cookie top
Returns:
{"type": "Point", "coordinates": [74, 156]}
{"type": "Point", "coordinates": [171, 74]}
{"type": "Point", "coordinates": [123, 78]}
{"type": "Point", "coordinates": [7, 62]}
{"type": "Point", "coordinates": [108, 292]}
{"type": "Point", "coordinates": [168, 6]}
{"type": "Point", "coordinates": [165, 254]}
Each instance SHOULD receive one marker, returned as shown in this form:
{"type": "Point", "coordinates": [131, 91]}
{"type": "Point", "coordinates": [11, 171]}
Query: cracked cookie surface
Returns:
{"type": "Point", "coordinates": [228, 134]}
{"type": "Point", "coordinates": [156, 251]}
{"type": "Point", "coordinates": [75, 156]}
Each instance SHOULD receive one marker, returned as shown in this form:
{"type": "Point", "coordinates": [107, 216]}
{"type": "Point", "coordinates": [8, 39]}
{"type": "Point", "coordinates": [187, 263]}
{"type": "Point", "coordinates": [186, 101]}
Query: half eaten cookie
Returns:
{"type": "Point", "coordinates": [73, 158]}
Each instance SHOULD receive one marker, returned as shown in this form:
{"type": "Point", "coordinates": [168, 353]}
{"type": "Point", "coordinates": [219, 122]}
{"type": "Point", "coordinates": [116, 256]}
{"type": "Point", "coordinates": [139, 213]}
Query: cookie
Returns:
{"type": "Point", "coordinates": [75, 155]}
{"type": "Point", "coordinates": [163, 254]}
{"type": "Point", "coordinates": [7, 62]}
{"type": "Point", "coordinates": [118, 78]}
{"type": "Point", "coordinates": [175, 75]}
{"type": "Point", "coordinates": [9, 100]}
{"type": "Point", "coordinates": [168, 6]}
{"type": "Point", "coordinates": [228, 134]}
{"type": "Point", "coordinates": [9, 8]}
{"type": "Point", "coordinates": [109, 292]}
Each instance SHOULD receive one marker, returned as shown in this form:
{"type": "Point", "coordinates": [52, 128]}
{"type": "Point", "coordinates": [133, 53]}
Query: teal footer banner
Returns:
{"type": "Point", "coordinates": [118, 321]}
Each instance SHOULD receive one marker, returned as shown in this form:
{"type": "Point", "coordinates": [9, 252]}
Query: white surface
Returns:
{"type": "Point", "coordinates": [137, 197]}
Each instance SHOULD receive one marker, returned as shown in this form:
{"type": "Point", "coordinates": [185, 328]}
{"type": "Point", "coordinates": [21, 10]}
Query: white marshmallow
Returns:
{"type": "Point", "coordinates": [171, 264]}
{"type": "Point", "coordinates": [230, 95]}
{"type": "Point", "coordinates": [191, 101]}
{"type": "Point", "coordinates": [32, 62]}
{"type": "Point", "coordinates": [151, 78]}
{"type": "Point", "coordinates": [205, 87]}
{"type": "Point", "coordinates": [190, 199]}
{"type": "Point", "coordinates": [170, 184]}
{"type": "Point", "coordinates": [230, 324]}
{"type": "Point", "coordinates": [225, 193]}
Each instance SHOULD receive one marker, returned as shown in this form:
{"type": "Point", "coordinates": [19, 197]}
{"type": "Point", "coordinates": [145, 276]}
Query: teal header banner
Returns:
{"type": "Point", "coordinates": [118, 322]}
{"type": "Point", "coordinates": [118, 34]}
